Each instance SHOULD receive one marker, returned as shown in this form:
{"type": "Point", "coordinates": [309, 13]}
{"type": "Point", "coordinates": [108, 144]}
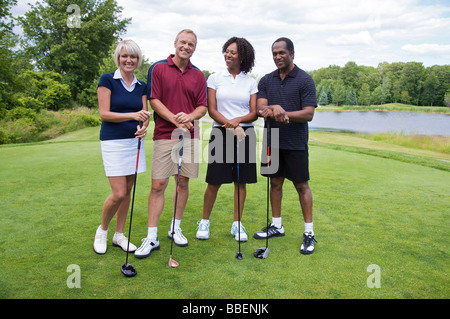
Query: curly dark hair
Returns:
{"type": "Point", "coordinates": [245, 51]}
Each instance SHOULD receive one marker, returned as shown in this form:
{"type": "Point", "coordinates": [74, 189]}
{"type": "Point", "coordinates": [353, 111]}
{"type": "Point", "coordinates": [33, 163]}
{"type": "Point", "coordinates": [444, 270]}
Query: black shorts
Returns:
{"type": "Point", "coordinates": [290, 164]}
{"type": "Point", "coordinates": [222, 167]}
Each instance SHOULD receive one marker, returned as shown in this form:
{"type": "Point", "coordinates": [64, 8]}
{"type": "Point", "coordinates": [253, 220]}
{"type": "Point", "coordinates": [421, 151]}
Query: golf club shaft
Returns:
{"type": "Point", "coordinates": [238, 194]}
{"type": "Point", "coordinates": [176, 194]}
{"type": "Point", "coordinates": [134, 192]}
{"type": "Point", "coordinates": [269, 144]}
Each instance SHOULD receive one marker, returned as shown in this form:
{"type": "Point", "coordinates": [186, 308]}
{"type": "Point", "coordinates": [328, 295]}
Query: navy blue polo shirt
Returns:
{"type": "Point", "coordinates": [122, 101]}
{"type": "Point", "coordinates": [296, 91]}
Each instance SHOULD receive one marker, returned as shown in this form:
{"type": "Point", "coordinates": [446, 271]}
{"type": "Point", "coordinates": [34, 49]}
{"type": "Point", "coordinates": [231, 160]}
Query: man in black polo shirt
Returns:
{"type": "Point", "coordinates": [287, 98]}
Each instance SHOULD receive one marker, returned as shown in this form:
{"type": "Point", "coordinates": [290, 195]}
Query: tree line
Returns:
{"type": "Point", "coordinates": [399, 82]}
{"type": "Point", "coordinates": [66, 45]}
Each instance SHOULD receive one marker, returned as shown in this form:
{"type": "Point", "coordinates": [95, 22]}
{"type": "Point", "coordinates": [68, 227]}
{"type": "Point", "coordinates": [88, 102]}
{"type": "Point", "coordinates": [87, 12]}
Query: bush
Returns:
{"type": "Point", "coordinates": [20, 130]}
{"type": "Point", "coordinates": [22, 125]}
{"type": "Point", "coordinates": [31, 103]}
{"type": "Point", "coordinates": [44, 90]}
{"type": "Point", "coordinates": [90, 120]}
{"type": "Point", "coordinates": [21, 112]}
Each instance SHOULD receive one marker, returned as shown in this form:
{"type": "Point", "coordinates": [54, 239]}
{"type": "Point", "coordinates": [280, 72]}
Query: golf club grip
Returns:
{"type": "Point", "coordinates": [269, 140]}
{"type": "Point", "coordinates": [139, 140]}
{"type": "Point", "coordinates": [138, 149]}
{"type": "Point", "coordinates": [182, 144]}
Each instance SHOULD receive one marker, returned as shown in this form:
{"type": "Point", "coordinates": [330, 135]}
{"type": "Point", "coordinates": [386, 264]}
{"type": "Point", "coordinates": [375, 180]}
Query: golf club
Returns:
{"type": "Point", "coordinates": [173, 263]}
{"type": "Point", "coordinates": [239, 253]}
{"type": "Point", "coordinates": [127, 269]}
{"type": "Point", "coordinates": [263, 252]}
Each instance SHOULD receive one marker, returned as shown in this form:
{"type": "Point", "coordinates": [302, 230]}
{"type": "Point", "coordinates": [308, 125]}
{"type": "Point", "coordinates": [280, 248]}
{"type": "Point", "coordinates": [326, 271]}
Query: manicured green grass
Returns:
{"type": "Point", "coordinates": [368, 209]}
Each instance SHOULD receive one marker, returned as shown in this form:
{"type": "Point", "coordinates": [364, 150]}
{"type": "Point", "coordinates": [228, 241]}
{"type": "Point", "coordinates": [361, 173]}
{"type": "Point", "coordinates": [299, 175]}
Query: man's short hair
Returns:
{"type": "Point", "coordinates": [289, 43]}
{"type": "Point", "coordinates": [186, 31]}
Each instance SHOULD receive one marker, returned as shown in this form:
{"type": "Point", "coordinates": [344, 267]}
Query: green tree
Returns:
{"type": "Point", "coordinates": [386, 90]}
{"type": "Point", "coordinates": [412, 77]}
{"type": "Point", "coordinates": [442, 72]}
{"type": "Point", "coordinates": [43, 90]}
{"type": "Point", "coordinates": [323, 97]}
{"type": "Point", "coordinates": [72, 37]}
{"type": "Point", "coordinates": [430, 88]}
{"type": "Point", "coordinates": [376, 96]}
{"type": "Point", "coordinates": [447, 99]}
{"type": "Point", "coordinates": [7, 41]}
{"type": "Point", "coordinates": [364, 94]}
{"type": "Point", "coordinates": [351, 98]}
{"type": "Point", "coordinates": [406, 98]}
{"type": "Point", "coordinates": [349, 74]}
{"type": "Point", "coordinates": [339, 92]}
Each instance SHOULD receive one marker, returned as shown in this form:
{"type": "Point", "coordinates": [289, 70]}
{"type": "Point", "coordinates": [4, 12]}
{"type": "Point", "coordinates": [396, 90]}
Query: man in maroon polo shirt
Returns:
{"type": "Point", "coordinates": [177, 93]}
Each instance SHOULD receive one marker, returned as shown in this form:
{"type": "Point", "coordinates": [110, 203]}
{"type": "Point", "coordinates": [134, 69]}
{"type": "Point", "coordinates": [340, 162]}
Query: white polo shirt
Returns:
{"type": "Point", "coordinates": [232, 94]}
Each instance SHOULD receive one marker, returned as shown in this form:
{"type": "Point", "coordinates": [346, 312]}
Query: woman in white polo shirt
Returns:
{"type": "Point", "coordinates": [232, 105]}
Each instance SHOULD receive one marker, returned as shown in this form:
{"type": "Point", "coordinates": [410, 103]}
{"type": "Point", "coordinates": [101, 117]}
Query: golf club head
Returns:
{"type": "Point", "coordinates": [173, 263]}
{"type": "Point", "coordinates": [128, 270]}
{"type": "Point", "coordinates": [239, 255]}
{"type": "Point", "coordinates": [261, 253]}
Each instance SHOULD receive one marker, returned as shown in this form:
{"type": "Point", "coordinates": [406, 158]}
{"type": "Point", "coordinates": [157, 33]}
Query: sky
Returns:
{"type": "Point", "coordinates": [325, 32]}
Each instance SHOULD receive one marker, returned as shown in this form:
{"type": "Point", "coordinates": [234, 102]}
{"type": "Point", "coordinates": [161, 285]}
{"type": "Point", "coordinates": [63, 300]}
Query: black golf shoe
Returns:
{"type": "Point", "coordinates": [307, 247]}
{"type": "Point", "coordinates": [271, 232]}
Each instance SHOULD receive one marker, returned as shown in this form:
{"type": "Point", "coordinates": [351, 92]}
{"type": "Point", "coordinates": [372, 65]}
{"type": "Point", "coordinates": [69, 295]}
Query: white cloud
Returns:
{"type": "Point", "coordinates": [428, 49]}
{"type": "Point", "coordinates": [360, 38]}
{"type": "Point", "coordinates": [324, 32]}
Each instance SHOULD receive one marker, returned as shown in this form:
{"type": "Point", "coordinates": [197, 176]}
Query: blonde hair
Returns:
{"type": "Point", "coordinates": [130, 47]}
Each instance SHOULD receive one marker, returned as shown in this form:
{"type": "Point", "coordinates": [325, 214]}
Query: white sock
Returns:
{"type": "Point", "coordinates": [309, 228]}
{"type": "Point", "coordinates": [152, 232]}
{"type": "Point", "coordinates": [100, 229]}
{"type": "Point", "coordinates": [177, 223]}
{"type": "Point", "coordinates": [205, 221]}
{"type": "Point", "coordinates": [117, 235]}
{"type": "Point", "coordinates": [277, 222]}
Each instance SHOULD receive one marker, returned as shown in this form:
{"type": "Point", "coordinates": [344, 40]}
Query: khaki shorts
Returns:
{"type": "Point", "coordinates": [166, 156]}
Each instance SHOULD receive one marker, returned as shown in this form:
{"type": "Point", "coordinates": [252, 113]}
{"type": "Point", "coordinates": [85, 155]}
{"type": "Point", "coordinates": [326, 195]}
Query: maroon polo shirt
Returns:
{"type": "Point", "coordinates": [178, 91]}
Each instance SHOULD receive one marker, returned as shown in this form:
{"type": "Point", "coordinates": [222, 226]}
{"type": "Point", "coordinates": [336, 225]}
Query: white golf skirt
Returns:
{"type": "Point", "coordinates": [119, 157]}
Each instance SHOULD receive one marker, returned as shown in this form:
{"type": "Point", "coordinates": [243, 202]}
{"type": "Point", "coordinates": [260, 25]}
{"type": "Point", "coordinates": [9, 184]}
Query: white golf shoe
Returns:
{"type": "Point", "coordinates": [122, 242]}
{"type": "Point", "coordinates": [101, 236]}
{"type": "Point", "coordinates": [203, 229]}
{"type": "Point", "coordinates": [178, 237]}
{"type": "Point", "coordinates": [148, 245]}
{"type": "Point", "coordinates": [239, 233]}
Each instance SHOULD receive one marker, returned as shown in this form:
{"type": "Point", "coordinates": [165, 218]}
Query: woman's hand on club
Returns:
{"type": "Point", "coordinates": [142, 116]}
{"type": "Point", "coordinates": [233, 123]}
{"type": "Point", "coordinates": [141, 132]}
{"type": "Point", "coordinates": [240, 133]}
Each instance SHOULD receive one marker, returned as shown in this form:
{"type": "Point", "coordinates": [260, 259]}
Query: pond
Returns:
{"type": "Point", "coordinates": [376, 122]}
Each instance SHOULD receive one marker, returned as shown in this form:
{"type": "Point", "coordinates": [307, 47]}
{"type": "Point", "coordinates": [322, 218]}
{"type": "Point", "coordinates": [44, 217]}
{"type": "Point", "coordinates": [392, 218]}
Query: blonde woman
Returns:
{"type": "Point", "coordinates": [124, 112]}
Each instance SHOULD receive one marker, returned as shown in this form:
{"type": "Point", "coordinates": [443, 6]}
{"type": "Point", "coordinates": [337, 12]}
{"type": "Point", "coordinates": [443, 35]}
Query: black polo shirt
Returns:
{"type": "Point", "coordinates": [296, 91]}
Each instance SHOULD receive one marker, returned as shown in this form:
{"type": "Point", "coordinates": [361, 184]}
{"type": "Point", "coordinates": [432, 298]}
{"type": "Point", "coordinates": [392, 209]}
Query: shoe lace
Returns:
{"type": "Point", "coordinates": [308, 239]}
{"type": "Point", "coordinates": [272, 229]}
{"type": "Point", "coordinates": [202, 226]}
{"type": "Point", "coordinates": [179, 233]}
{"type": "Point", "coordinates": [147, 241]}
